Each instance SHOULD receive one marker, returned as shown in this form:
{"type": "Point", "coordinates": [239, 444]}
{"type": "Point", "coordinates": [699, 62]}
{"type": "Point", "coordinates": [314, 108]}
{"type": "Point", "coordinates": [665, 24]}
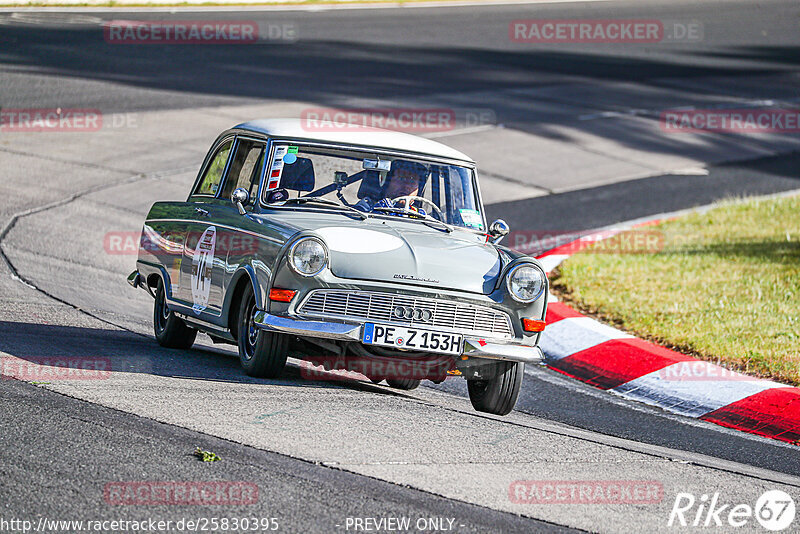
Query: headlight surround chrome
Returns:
{"type": "Point", "coordinates": [526, 283]}
{"type": "Point", "coordinates": [308, 256]}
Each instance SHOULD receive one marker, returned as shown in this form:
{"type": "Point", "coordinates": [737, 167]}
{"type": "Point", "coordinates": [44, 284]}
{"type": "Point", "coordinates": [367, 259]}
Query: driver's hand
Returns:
{"type": "Point", "coordinates": [385, 203]}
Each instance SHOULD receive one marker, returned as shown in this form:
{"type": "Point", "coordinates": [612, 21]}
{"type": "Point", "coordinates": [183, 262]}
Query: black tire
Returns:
{"type": "Point", "coordinates": [261, 353]}
{"type": "Point", "coordinates": [171, 332]}
{"type": "Point", "coordinates": [499, 394]}
{"type": "Point", "coordinates": [403, 383]}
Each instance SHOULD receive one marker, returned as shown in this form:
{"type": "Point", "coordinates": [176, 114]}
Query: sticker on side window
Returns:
{"type": "Point", "coordinates": [472, 218]}
{"type": "Point", "coordinates": [276, 169]}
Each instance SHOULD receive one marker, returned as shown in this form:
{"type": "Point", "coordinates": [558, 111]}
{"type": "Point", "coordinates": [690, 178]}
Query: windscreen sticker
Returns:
{"type": "Point", "coordinates": [293, 149]}
{"type": "Point", "coordinates": [202, 267]}
{"type": "Point", "coordinates": [276, 169]}
{"type": "Point", "coordinates": [472, 218]}
{"type": "Point", "coordinates": [289, 158]}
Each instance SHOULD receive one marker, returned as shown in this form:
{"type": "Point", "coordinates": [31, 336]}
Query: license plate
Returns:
{"type": "Point", "coordinates": [411, 338]}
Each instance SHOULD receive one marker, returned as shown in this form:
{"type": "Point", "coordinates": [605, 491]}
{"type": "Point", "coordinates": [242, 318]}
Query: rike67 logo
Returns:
{"type": "Point", "coordinates": [774, 510]}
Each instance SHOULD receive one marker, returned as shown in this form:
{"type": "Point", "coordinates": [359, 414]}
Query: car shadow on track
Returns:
{"type": "Point", "coordinates": [59, 352]}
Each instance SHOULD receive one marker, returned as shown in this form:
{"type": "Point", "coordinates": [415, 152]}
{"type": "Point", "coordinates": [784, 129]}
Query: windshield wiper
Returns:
{"type": "Point", "coordinates": [427, 219]}
{"type": "Point", "coordinates": [325, 201]}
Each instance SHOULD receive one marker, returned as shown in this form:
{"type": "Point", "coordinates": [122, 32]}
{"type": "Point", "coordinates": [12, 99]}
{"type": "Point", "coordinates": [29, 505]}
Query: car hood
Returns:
{"type": "Point", "coordinates": [405, 252]}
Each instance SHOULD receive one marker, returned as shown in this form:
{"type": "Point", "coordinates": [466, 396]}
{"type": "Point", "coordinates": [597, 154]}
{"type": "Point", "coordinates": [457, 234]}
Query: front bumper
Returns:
{"type": "Point", "coordinates": [473, 347]}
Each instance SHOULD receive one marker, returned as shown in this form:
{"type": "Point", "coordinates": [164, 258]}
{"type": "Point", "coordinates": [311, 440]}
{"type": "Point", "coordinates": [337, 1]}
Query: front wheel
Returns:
{"type": "Point", "coordinates": [171, 332]}
{"type": "Point", "coordinates": [262, 353]}
{"type": "Point", "coordinates": [497, 395]}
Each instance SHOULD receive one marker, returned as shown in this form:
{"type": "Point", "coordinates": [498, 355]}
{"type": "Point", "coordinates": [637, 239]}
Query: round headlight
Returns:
{"type": "Point", "coordinates": [526, 283]}
{"type": "Point", "coordinates": [308, 257]}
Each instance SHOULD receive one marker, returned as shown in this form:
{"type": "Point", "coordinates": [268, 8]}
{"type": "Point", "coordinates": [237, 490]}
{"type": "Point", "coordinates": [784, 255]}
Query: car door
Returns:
{"type": "Point", "coordinates": [200, 285]}
{"type": "Point", "coordinates": [237, 235]}
{"type": "Point", "coordinates": [162, 242]}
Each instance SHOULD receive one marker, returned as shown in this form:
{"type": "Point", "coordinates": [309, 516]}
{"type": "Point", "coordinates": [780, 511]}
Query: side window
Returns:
{"type": "Point", "coordinates": [209, 184]}
{"type": "Point", "coordinates": [245, 169]}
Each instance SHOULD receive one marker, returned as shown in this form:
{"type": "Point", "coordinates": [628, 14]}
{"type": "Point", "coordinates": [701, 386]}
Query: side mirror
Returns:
{"type": "Point", "coordinates": [498, 230]}
{"type": "Point", "coordinates": [240, 197]}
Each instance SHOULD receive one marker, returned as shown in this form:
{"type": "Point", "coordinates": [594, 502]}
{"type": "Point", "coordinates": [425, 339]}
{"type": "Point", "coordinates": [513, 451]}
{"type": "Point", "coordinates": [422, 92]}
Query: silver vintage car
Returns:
{"type": "Point", "coordinates": [349, 248]}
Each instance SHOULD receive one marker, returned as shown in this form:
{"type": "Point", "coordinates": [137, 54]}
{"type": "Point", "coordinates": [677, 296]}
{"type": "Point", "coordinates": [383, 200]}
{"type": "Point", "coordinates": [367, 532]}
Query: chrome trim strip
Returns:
{"type": "Point", "coordinates": [209, 222]}
{"type": "Point", "coordinates": [201, 323]}
{"type": "Point", "coordinates": [187, 306]}
{"type": "Point", "coordinates": [286, 325]}
{"type": "Point", "coordinates": [496, 351]}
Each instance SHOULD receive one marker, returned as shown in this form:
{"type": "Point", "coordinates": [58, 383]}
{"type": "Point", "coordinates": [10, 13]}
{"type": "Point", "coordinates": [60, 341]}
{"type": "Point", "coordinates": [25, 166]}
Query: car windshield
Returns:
{"type": "Point", "coordinates": [373, 183]}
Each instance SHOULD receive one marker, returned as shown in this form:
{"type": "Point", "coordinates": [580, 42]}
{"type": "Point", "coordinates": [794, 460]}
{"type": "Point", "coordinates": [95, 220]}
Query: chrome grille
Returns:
{"type": "Point", "coordinates": [371, 306]}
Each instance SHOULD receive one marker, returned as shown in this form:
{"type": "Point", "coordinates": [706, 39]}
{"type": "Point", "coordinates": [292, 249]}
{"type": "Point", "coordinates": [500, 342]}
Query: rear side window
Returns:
{"type": "Point", "coordinates": [245, 169]}
{"type": "Point", "coordinates": [209, 184]}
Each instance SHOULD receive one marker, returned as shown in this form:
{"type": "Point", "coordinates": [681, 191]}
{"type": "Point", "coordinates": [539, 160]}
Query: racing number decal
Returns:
{"type": "Point", "coordinates": [202, 267]}
{"type": "Point", "coordinates": [276, 169]}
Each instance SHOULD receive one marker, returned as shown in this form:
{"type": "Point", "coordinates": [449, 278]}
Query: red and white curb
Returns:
{"type": "Point", "coordinates": [609, 359]}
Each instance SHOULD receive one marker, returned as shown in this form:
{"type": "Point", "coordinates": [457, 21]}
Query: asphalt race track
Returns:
{"type": "Point", "coordinates": [569, 140]}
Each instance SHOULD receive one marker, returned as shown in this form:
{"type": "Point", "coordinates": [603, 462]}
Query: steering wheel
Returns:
{"type": "Point", "coordinates": [410, 198]}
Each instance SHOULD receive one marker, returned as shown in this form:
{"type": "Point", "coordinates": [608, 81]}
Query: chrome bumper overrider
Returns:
{"type": "Point", "coordinates": [341, 331]}
{"type": "Point", "coordinates": [499, 351]}
{"type": "Point", "coordinates": [135, 279]}
{"type": "Point", "coordinates": [474, 347]}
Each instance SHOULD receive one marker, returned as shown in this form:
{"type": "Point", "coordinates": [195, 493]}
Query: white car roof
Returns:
{"type": "Point", "coordinates": [331, 132]}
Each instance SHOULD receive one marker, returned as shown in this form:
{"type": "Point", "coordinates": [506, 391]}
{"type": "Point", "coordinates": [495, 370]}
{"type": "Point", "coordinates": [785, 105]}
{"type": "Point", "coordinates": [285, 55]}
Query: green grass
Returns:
{"type": "Point", "coordinates": [725, 286]}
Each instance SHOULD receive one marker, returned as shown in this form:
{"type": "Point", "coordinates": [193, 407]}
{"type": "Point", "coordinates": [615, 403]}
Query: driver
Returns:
{"type": "Point", "coordinates": [404, 180]}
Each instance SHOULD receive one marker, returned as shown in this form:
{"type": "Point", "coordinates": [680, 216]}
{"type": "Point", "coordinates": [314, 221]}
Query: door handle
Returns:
{"type": "Point", "coordinates": [202, 212]}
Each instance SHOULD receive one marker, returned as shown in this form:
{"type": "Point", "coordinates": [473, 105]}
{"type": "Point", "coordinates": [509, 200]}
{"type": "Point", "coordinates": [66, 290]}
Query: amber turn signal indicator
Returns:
{"type": "Point", "coordinates": [532, 325]}
{"type": "Point", "coordinates": [282, 295]}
